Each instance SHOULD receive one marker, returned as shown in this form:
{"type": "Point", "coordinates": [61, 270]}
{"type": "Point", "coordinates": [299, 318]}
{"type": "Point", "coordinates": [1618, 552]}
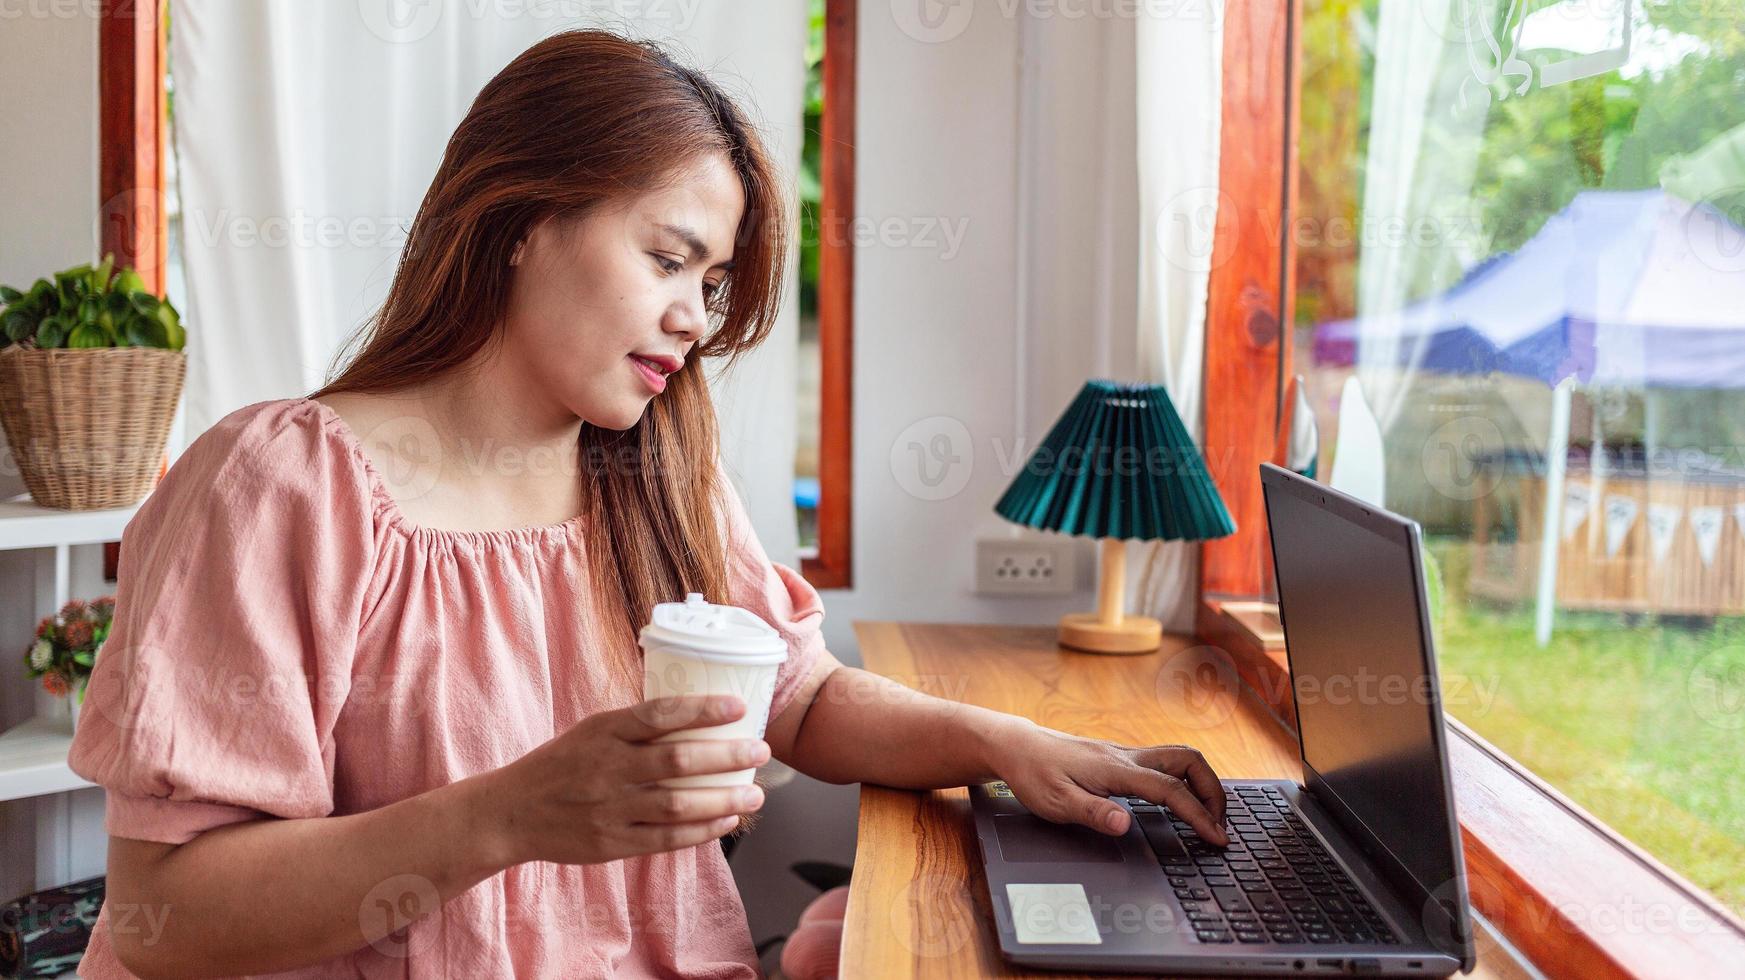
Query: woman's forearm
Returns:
{"type": "Point", "coordinates": [860, 726]}
{"type": "Point", "coordinates": [272, 895]}
{"type": "Point", "coordinates": [865, 728]}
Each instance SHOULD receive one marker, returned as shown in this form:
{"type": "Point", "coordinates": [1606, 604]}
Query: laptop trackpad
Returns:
{"type": "Point", "coordinates": [1027, 838]}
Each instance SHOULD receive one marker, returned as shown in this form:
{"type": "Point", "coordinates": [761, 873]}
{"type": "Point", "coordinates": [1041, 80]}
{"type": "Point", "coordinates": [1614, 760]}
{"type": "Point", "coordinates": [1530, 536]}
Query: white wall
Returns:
{"type": "Point", "coordinates": [48, 221]}
{"type": "Point", "coordinates": [966, 338]}
{"type": "Point", "coordinates": [1036, 154]}
{"type": "Point", "coordinates": [49, 172]}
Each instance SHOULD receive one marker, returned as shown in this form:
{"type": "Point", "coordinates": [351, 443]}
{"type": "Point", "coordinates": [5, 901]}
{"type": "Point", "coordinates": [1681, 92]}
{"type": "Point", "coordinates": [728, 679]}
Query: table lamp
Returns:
{"type": "Point", "coordinates": [1118, 466]}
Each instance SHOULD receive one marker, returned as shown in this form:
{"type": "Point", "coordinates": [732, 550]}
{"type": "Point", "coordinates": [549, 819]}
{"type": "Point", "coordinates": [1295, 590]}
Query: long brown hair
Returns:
{"type": "Point", "coordinates": [574, 122]}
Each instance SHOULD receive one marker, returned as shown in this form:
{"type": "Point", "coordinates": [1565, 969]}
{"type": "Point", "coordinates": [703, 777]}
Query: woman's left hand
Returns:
{"type": "Point", "coordinates": [1068, 779]}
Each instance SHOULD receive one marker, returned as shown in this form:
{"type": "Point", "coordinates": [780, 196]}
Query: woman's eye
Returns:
{"type": "Point", "coordinates": [666, 264]}
{"type": "Point", "coordinates": [710, 289]}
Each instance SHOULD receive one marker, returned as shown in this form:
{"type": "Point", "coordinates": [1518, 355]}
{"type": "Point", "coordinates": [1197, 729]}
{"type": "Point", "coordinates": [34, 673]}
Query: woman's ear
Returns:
{"type": "Point", "coordinates": [539, 235]}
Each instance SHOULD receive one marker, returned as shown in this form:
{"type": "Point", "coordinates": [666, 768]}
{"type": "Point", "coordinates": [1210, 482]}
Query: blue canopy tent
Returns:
{"type": "Point", "coordinates": [1637, 289]}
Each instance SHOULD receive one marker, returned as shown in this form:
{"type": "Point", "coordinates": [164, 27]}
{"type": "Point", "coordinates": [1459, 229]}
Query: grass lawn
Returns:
{"type": "Point", "coordinates": [1643, 725]}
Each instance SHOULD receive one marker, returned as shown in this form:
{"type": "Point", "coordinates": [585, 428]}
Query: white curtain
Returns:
{"type": "Point", "coordinates": [308, 130]}
{"type": "Point", "coordinates": [1179, 102]}
{"type": "Point", "coordinates": [1420, 223]}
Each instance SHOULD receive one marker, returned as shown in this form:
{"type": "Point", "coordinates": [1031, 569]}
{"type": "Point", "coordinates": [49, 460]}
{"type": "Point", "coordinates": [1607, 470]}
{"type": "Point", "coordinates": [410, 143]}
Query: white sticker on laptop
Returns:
{"type": "Point", "coordinates": [1052, 913]}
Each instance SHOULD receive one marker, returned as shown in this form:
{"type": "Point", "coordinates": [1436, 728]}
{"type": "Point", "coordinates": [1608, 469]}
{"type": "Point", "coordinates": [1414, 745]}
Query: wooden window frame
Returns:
{"type": "Point", "coordinates": [131, 215]}
{"type": "Point", "coordinates": [1539, 867]}
{"type": "Point", "coordinates": [832, 566]}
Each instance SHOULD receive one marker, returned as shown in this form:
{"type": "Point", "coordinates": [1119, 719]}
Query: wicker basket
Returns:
{"type": "Point", "coordinates": [87, 427]}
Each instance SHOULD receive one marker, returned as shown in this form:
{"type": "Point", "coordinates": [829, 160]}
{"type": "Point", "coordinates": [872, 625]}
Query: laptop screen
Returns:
{"type": "Point", "coordinates": [1368, 709]}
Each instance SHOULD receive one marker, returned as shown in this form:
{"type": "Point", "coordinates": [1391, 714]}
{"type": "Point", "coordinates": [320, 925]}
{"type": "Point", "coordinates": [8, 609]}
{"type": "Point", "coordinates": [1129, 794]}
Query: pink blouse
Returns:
{"type": "Point", "coordinates": [286, 644]}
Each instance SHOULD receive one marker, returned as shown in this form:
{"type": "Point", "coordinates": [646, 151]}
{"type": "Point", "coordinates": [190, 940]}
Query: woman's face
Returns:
{"type": "Point", "coordinates": [603, 307]}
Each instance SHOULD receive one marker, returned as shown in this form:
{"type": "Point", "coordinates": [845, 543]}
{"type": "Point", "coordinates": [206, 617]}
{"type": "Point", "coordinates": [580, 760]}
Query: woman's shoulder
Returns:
{"type": "Point", "coordinates": [285, 434]}
{"type": "Point", "coordinates": [282, 445]}
{"type": "Point", "coordinates": [267, 483]}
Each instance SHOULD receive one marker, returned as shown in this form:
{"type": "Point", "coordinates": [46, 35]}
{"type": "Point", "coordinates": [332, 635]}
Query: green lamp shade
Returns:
{"type": "Point", "coordinates": [1118, 464]}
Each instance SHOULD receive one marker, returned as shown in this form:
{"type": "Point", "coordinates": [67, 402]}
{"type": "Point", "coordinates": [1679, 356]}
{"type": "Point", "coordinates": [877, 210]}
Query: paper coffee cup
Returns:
{"type": "Point", "coordinates": [698, 648]}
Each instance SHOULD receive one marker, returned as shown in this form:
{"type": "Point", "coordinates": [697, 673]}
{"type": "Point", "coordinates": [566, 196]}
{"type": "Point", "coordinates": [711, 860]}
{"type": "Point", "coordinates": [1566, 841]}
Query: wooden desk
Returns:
{"type": "Point", "coordinates": [918, 903]}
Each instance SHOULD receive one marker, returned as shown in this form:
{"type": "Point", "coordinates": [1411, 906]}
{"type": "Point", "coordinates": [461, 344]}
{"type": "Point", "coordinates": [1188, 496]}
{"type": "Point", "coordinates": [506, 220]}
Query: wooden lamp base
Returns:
{"type": "Point", "coordinates": [1109, 629]}
{"type": "Point", "coordinates": [1133, 634]}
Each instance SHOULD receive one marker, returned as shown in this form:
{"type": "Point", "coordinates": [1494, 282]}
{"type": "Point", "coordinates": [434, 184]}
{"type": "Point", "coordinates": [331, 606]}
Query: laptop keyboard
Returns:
{"type": "Point", "coordinates": [1274, 884]}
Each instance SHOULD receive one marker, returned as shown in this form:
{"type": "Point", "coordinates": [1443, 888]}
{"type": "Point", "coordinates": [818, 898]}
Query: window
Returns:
{"type": "Point", "coordinates": [1520, 316]}
{"type": "Point", "coordinates": [131, 107]}
{"type": "Point", "coordinates": [131, 133]}
{"type": "Point", "coordinates": [811, 194]}
{"type": "Point", "coordinates": [823, 477]}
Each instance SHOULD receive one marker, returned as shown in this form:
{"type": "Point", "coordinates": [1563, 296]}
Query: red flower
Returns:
{"type": "Point", "coordinates": [54, 683]}
{"type": "Point", "coordinates": [74, 609]}
{"type": "Point", "coordinates": [78, 633]}
{"type": "Point", "coordinates": [46, 627]}
{"type": "Point", "coordinates": [103, 607]}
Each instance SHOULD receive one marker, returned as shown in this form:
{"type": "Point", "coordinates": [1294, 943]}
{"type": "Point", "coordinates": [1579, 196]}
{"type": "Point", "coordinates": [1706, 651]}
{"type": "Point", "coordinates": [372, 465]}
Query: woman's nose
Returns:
{"type": "Point", "coordinates": [687, 318]}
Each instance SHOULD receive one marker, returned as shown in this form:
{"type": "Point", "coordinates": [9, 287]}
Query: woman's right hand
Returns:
{"type": "Point", "coordinates": [589, 795]}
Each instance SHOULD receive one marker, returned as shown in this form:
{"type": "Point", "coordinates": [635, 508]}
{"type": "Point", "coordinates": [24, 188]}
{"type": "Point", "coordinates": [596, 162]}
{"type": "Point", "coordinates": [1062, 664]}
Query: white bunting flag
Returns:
{"type": "Point", "coordinates": [1706, 524]}
{"type": "Point", "coordinates": [1620, 517]}
{"type": "Point", "coordinates": [1577, 498]}
{"type": "Point", "coordinates": [1662, 524]}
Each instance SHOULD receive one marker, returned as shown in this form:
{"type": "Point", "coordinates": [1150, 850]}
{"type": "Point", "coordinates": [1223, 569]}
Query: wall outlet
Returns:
{"type": "Point", "coordinates": [1026, 566]}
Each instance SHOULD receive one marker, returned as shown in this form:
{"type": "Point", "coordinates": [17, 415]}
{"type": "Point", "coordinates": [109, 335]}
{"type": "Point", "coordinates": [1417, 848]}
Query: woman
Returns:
{"type": "Point", "coordinates": [398, 616]}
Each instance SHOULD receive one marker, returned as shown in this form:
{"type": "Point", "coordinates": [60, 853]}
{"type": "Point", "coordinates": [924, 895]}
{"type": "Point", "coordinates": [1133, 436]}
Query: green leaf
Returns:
{"type": "Point", "coordinates": [89, 307]}
{"type": "Point", "coordinates": [84, 658]}
{"type": "Point", "coordinates": [144, 302]}
{"type": "Point", "coordinates": [19, 324]}
{"type": "Point", "coordinates": [100, 275]}
{"type": "Point", "coordinates": [87, 335]}
{"type": "Point", "coordinates": [8, 295]}
{"type": "Point", "coordinates": [118, 304]}
{"type": "Point", "coordinates": [111, 327]}
{"type": "Point", "coordinates": [146, 331]}
{"type": "Point", "coordinates": [72, 285]}
{"type": "Point", "coordinates": [51, 332]}
{"type": "Point", "coordinates": [174, 335]}
{"type": "Point", "coordinates": [129, 282]}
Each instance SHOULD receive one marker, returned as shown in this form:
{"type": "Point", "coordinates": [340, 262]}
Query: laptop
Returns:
{"type": "Point", "coordinates": [1355, 870]}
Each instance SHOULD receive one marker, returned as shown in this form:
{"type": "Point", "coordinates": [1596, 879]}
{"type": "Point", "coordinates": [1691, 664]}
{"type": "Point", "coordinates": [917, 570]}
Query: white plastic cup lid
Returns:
{"type": "Point", "coordinates": [726, 633]}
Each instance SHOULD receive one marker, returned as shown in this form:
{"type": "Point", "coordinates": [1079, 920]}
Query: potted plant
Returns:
{"type": "Point", "coordinates": [64, 649]}
{"type": "Point", "coordinates": [89, 379]}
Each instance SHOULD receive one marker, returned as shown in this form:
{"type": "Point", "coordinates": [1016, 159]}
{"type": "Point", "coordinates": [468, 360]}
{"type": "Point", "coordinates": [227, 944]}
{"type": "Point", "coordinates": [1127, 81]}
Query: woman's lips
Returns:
{"type": "Point", "coordinates": [651, 377]}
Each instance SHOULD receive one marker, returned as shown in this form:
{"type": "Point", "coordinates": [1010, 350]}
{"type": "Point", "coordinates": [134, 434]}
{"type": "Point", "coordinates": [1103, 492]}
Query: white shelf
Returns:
{"type": "Point", "coordinates": [24, 524]}
{"type": "Point", "coordinates": [33, 755]}
{"type": "Point", "coordinates": [33, 759]}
